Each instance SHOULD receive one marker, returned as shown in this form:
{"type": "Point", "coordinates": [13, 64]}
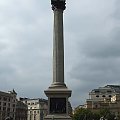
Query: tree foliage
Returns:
{"type": "Point", "coordinates": [86, 114]}
{"type": "Point", "coordinates": [82, 114]}
{"type": "Point", "coordinates": [107, 114]}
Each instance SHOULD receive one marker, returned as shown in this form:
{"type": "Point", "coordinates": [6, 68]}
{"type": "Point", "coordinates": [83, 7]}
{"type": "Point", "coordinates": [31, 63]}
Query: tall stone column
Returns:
{"type": "Point", "coordinates": [58, 46]}
{"type": "Point", "coordinates": [58, 93]}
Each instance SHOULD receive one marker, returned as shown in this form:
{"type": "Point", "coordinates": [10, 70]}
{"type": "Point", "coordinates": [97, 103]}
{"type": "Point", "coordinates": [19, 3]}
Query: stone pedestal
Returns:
{"type": "Point", "coordinates": [58, 103]}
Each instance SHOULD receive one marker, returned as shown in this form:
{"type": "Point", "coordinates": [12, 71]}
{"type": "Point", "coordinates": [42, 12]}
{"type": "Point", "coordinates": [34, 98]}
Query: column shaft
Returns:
{"type": "Point", "coordinates": [58, 48]}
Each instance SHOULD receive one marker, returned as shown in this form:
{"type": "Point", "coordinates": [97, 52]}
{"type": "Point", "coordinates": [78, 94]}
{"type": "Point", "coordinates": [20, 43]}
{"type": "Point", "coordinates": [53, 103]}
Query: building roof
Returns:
{"type": "Point", "coordinates": [8, 94]}
{"type": "Point", "coordinates": [34, 99]}
{"type": "Point", "coordinates": [115, 87]}
{"type": "Point", "coordinates": [4, 93]}
{"type": "Point", "coordinates": [107, 89]}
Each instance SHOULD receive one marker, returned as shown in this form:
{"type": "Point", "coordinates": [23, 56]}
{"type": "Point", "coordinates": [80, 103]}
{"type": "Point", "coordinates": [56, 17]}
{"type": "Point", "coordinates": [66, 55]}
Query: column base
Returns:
{"type": "Point", "coordinates": [58, 91]}
{"type": "Point", "coordinates": [58, 85]}
{"type": "Point", "coordinates": [58, 103]}
{"type": "Point", "coordinates": [57, 117]}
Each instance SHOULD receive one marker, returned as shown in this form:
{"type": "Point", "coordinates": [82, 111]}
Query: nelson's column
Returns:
{"type": "Point", "coordinates": [58, 93]}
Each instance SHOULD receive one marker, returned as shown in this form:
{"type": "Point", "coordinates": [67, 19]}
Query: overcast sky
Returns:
{"type": "Point", "coordinates": [92, 46]}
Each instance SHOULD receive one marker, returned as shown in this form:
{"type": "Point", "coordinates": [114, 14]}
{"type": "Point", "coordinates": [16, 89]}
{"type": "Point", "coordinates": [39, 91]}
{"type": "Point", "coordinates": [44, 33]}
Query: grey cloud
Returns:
{"type": "Point", "coordinates": [96, 70]}
{"type": "Point", "coordinates": [91, 46]}
{"type": "Point", "coordinates": [24, 53]}
{"type": "Point", "coordinates": [102, 46]}
{"type": "Point", "coordinates": [97, 51]}
{"type": "Point", "coordinates": [116, 14]}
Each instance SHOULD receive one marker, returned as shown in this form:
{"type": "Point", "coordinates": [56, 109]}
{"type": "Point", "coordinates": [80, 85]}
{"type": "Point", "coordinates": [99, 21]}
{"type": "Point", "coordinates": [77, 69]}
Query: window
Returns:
{"type": "Point", "coordinates": [30, 117]}
{"type": "Point", "coordinates": [5, 99]}
{"type": "Point", "coordinates": [110, 95]}
{"type": "Point", "coordinates": [97, 95]}
{"type": "Point", "coordinates": [4, 108]}
{"type": "Point", "coordinates": [9, 104]}
{"type": "Point", "coordinates": [103, 96]}
{"type": "Point", "coordinates": [4, 104]}
{"type": "Point", "coordinates": [97, 91]}
{"type": "Point", "coordinates": [109, 91]}
{"type": "Point", "coordinates": [34, 117]}
{"type": "Point", "coordinates": [13, 105]}
{"type": "Point", "coordinates": [8, 109]}
{"type": "Point", "coordinates": [32, 103]}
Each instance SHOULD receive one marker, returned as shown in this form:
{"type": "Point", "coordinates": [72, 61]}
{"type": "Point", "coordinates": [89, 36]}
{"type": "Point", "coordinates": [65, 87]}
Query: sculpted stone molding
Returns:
{"type": "Point", "coordinates": [58, 4]}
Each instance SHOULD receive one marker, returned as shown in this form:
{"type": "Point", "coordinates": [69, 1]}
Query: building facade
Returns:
{"type": "Point", "coordinates": [7, 104]}
{"type": "Point", "coordinates": [105, 97]}
{"type": "Point", "coordinates": [21, 111]}
{"type": "Point", "coordinates": [104, 92]}
{"type": "Point", "coordinates": [37, 108]}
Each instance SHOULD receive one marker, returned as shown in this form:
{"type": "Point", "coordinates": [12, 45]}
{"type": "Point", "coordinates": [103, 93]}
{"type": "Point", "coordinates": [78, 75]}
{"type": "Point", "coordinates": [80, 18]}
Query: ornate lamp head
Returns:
{"type": "Point", "coordinates": [58, 4]}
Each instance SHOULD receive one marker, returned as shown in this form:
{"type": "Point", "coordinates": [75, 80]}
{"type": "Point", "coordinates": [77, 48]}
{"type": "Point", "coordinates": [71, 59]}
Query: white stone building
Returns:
{"type": "Point", "coordinates": [105, 97]}
{"type": "Point", "coordinates": [7, 104]}
{"type": "Point", "coordinates": [104, 92]}
{"type": "Point", "coordinates": [37, 108]}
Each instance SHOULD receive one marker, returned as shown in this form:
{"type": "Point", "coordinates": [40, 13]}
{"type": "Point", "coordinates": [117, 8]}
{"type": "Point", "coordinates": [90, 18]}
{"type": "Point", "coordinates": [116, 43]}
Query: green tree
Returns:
{"type": "Point", "coordinates": [107, 114]}
{"type": "Point", "coordinates": [86, 114]}
{"type": "Point", "coordinates": [96, 116]}
{"type": "Point", "coordinates": [83, 114]}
